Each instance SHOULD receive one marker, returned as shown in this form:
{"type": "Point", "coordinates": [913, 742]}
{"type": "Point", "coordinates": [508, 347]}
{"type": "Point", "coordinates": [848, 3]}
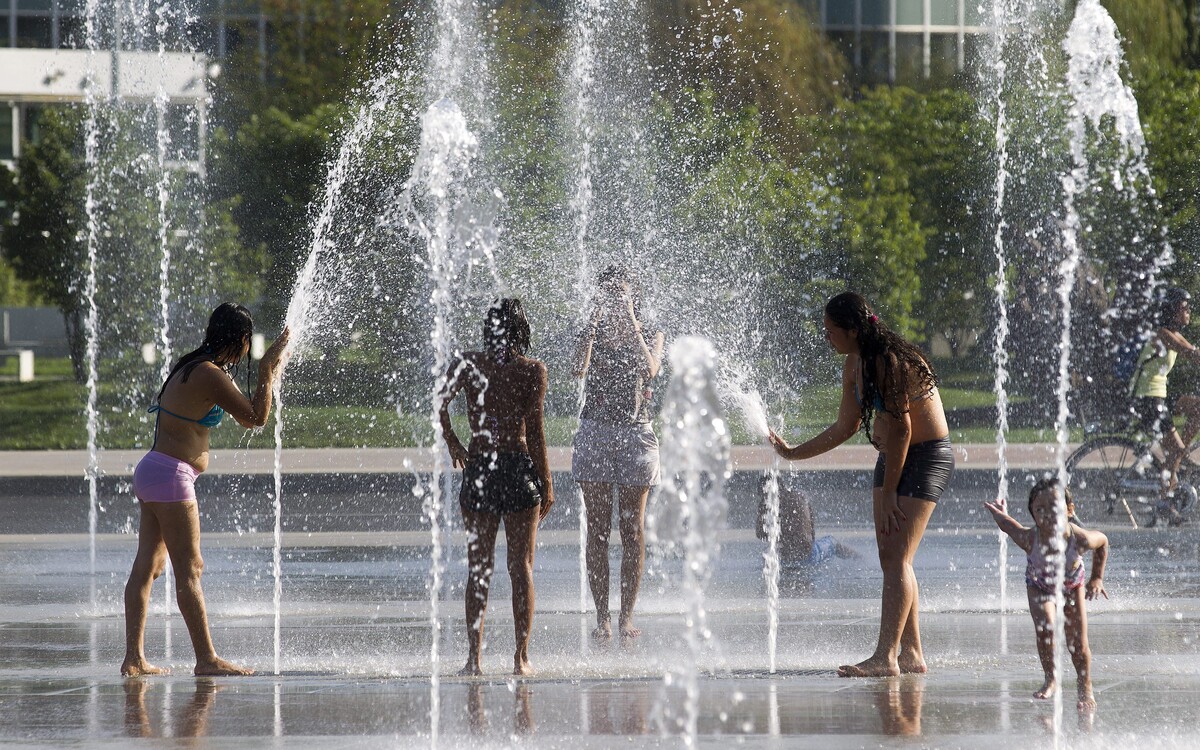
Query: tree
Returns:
{"type": "Point", "coordinates": [761, 53]}
{"type": "Point", "coordinates": [320, 52]}
{"type": "Point", "coordinates": [880, 242]}
{"type": "Point", "coordinates": [271, 172]}
{"type": "Point", "coordinates": [46, 237]}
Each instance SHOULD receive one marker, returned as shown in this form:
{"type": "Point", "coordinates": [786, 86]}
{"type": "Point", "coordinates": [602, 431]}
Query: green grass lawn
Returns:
{"type": "Point", "coordinates": [49, 414]}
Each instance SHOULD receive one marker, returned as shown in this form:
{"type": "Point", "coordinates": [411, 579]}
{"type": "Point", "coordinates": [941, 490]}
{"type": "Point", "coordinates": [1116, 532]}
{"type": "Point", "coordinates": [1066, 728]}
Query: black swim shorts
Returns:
{"type": "Point", "coordinates": [499, 483]}
{"type": "Point", "coordinates": [926, 472]}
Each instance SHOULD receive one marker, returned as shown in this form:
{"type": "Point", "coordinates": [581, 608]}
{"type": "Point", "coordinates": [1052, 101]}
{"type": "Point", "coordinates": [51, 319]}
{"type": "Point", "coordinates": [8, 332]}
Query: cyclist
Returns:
{"type": "Point", "coordinates": [1148, 388]}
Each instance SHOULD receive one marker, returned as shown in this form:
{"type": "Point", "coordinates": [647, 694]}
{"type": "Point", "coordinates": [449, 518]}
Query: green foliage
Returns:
{"type": "Point", "coordinates": [1170, 106]}
{"type": "Point", "coordinates": [270, 173]}
{"type": "Point", "coordinates": [320, 52]}
{"type": "Point", "coordinates": [42, 239]}
{"type": "Point", "coordinates": [762, 54]}
{"type": "Point", "coordinates": [1155, 32]}
{"type": "Point", "coordinates": [934, 140]}
{"type": "Point", "coordinates": [880, 244]}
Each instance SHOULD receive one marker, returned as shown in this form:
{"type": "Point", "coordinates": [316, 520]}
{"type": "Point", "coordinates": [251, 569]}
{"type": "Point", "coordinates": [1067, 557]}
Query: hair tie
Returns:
{"type": "Point", "coordinates": [874, 318]}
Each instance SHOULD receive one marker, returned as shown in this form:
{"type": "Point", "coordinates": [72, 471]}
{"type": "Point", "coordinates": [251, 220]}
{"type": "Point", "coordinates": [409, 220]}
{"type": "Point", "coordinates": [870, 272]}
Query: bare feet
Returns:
{"type": "Point", "coordinates": [521, 666]}
{"type": "Point", "coordinates": [1087, 701]}
{"type": "Point", "coordinates": [220, 668]}
{"type": "Point", "coordinates": [471, 670]}
{"type": "Point", "coordinates": [603, 631]}
{"type": "Point", "coordinates": [910, 663]}
{"type": "Point", "coordinates": [1046, 690]}
{"type": "Point", "coordinates": [628, 631]}
{"type": "Point", "coordinates": [140, 668]}
{"type": "Point", "coordinates": [872, 667]}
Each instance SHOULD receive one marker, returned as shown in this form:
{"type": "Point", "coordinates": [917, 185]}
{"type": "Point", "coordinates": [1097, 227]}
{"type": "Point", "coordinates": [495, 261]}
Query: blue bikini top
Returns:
{"type": "Point", "coordinates": [210, 420]}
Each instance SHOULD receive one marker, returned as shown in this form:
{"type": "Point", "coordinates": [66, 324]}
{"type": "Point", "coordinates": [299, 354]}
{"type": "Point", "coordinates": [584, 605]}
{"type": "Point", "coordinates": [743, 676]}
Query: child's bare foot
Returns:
{"type": "Point", "coordinates": [521, 666]}
{"type": "Point", "coordinates": [628, 631]}
{"type": "Point", "coordinates": [911, 663]}
{"type": "Point", "coordinates": [872, 667]}
{"type": "Point", "coordinates": [1046, 690]}
{"type": "Point", "coordinates": [220, 668]}
{"type": "Point", "coordinates": [471, 670]}
{"type": "Point", "coordinates": [603, 631]}
{"type": "Point", "coordinates": [1087, 701]}
{"type": "Point", "coordinates": [140, 668]}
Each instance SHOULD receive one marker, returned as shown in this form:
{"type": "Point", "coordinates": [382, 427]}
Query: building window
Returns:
{"type": "Point", "coordinates": [6, 132]}
{"type": "Point", "coordinates": [33, 31]}
{"type": "Point", "coordinates": [910, 12]}
{"type": "Point", "coordinates": [874, 56]}
{"type": "Point", "coordinates": [943, 58]}
{"type": "Point", "coordinates": [875, 13]}
{"type": "Point", "coordinates": [910, 59]}
{"type": "Point", "coordinates": [839, 13]}
{"type": "Point", "coordinates": [975, 13]}
{"type": "Point", "coordinates": [944, 12]}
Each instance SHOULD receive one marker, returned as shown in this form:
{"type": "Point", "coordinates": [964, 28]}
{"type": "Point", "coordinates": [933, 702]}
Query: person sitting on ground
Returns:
{"type": "Point", "coordinates": [798, 544]}
{"type": "Point", "coordinates": [506, 475]}
{"type": "Point", "coordinates": [1040, 574]}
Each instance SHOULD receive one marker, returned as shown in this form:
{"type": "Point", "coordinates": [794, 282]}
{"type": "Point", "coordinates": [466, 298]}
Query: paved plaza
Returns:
{"type": "Point", "coordinates": [356, 639]}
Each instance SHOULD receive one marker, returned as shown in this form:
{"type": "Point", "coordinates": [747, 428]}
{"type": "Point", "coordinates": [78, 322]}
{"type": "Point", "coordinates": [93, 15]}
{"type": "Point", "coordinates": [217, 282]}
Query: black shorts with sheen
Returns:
{"type": "Point", "coordinates": [926, 472]}
{"type": "Point", "coordinates": [499, 483]}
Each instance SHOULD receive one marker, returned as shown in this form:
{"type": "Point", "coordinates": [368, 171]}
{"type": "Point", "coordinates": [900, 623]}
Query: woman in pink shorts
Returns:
{"type": "Point", "coordinates": [198, 393]}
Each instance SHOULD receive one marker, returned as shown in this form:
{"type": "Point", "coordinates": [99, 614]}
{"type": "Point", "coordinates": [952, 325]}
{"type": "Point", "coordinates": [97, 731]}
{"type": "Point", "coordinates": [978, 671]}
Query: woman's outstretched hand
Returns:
{"type": "Point", "coordinates": [892, 515]}
{"type": "Point", "coordinates": [781, 447]}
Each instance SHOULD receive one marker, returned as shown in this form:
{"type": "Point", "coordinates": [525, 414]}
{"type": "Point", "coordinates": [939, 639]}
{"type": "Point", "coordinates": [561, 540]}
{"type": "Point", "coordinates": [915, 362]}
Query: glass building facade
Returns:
{"type": "Point", "coordinates": [903, 41]}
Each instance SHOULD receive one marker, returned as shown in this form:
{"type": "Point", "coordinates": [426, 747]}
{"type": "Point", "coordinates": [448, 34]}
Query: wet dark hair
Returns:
{"type": "Point", "coordinates": [1170, 300]}
{"type": "Point", "coordinates": [228, 328]}
{"type": "Point", "coordinates": [1050, 483]}
{"type": "Point", "coordinates": [610, 279]}
{"type": "Point", "coordinates": [506, 329]}
{"type": "Point", "coordinates": [904, 366]}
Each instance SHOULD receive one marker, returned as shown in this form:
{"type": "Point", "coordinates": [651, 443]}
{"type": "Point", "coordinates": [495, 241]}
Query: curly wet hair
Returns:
{"type": "Point", "coordinates": [906, 372]}
{"type": "Point", "coordinates": [506, 329]}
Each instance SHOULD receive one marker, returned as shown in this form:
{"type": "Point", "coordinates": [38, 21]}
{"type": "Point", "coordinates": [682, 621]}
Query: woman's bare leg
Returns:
{"type": "Point", "coordinates": [598, 501]}
{"type": "Point", "coordinates": [896, 552]}
{"type": "Point", "coordinates": [520, 531]}
{"type": "Point", "coordinates": [1081, 651]}
{"type": "Point", "coordinates": [180, 525]}
{"type": "Point", "coordinates": [1042, 612]}
{"type": "Point", "coordinates": [148, 565]}
{"type": "Point", "coordinates": [481, 561]}
{"type": "Point", "coordinates": [632, 521]}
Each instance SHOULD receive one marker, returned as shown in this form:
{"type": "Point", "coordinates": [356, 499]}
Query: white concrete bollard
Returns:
{"type": "Point", "coordinates": [25, 366]}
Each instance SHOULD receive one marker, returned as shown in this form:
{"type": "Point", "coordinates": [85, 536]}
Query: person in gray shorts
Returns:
{"type": "Point", "coordinates": [616, 451]}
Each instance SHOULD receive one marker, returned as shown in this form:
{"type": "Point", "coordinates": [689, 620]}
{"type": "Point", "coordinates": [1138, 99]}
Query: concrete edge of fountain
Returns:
{"type": "Point", "coordinates": [120, 463]}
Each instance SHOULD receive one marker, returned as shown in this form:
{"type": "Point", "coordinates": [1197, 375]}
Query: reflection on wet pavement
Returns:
{"type": "Point", "coordinates": [356, 642]}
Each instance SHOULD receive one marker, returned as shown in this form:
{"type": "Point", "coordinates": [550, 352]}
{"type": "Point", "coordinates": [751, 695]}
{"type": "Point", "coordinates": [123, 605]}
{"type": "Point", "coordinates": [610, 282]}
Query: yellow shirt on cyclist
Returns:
{"type": "Point", "coordinates": [1154, 365]}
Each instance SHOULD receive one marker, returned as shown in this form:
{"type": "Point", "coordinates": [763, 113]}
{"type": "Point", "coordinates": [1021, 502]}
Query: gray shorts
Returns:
{"type": "Point", "coordinates": [625, 454]}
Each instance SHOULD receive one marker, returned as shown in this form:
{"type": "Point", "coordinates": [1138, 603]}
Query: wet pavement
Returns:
{"type": "Point", "coordinates": [356, 643]}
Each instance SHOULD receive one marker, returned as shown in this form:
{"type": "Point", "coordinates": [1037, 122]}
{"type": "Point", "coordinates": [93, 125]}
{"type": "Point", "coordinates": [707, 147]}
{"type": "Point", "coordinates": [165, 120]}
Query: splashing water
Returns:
{"type": "Point", "coordinates": [689, 510]}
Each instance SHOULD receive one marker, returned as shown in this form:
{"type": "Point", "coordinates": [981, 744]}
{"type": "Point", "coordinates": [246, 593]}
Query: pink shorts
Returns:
{"type": "Point", "coordinates": [160, 478]}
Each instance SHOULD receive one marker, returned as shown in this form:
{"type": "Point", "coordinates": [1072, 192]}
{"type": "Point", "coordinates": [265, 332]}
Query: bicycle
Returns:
{"type": "Point", "coordinates": [1127, 466]}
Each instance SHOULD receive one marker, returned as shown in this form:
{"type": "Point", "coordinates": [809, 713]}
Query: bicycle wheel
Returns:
{"type": "Point", "coordinates": [1106, 469]}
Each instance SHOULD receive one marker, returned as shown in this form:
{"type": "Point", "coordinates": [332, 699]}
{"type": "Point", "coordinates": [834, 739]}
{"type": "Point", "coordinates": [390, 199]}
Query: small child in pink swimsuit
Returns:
{"type": "Point", "coordinates": [1040, 572]}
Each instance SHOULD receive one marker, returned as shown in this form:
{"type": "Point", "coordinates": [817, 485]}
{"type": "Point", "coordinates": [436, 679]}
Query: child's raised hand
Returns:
{"type": "Point", "coordinates": [997, 507]}
{"type": "Point", "coordinates": [1094, 589]}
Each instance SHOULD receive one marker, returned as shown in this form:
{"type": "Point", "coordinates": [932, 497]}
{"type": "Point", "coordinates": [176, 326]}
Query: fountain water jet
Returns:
{"type": "Point", "coordinates": [689, 509]}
